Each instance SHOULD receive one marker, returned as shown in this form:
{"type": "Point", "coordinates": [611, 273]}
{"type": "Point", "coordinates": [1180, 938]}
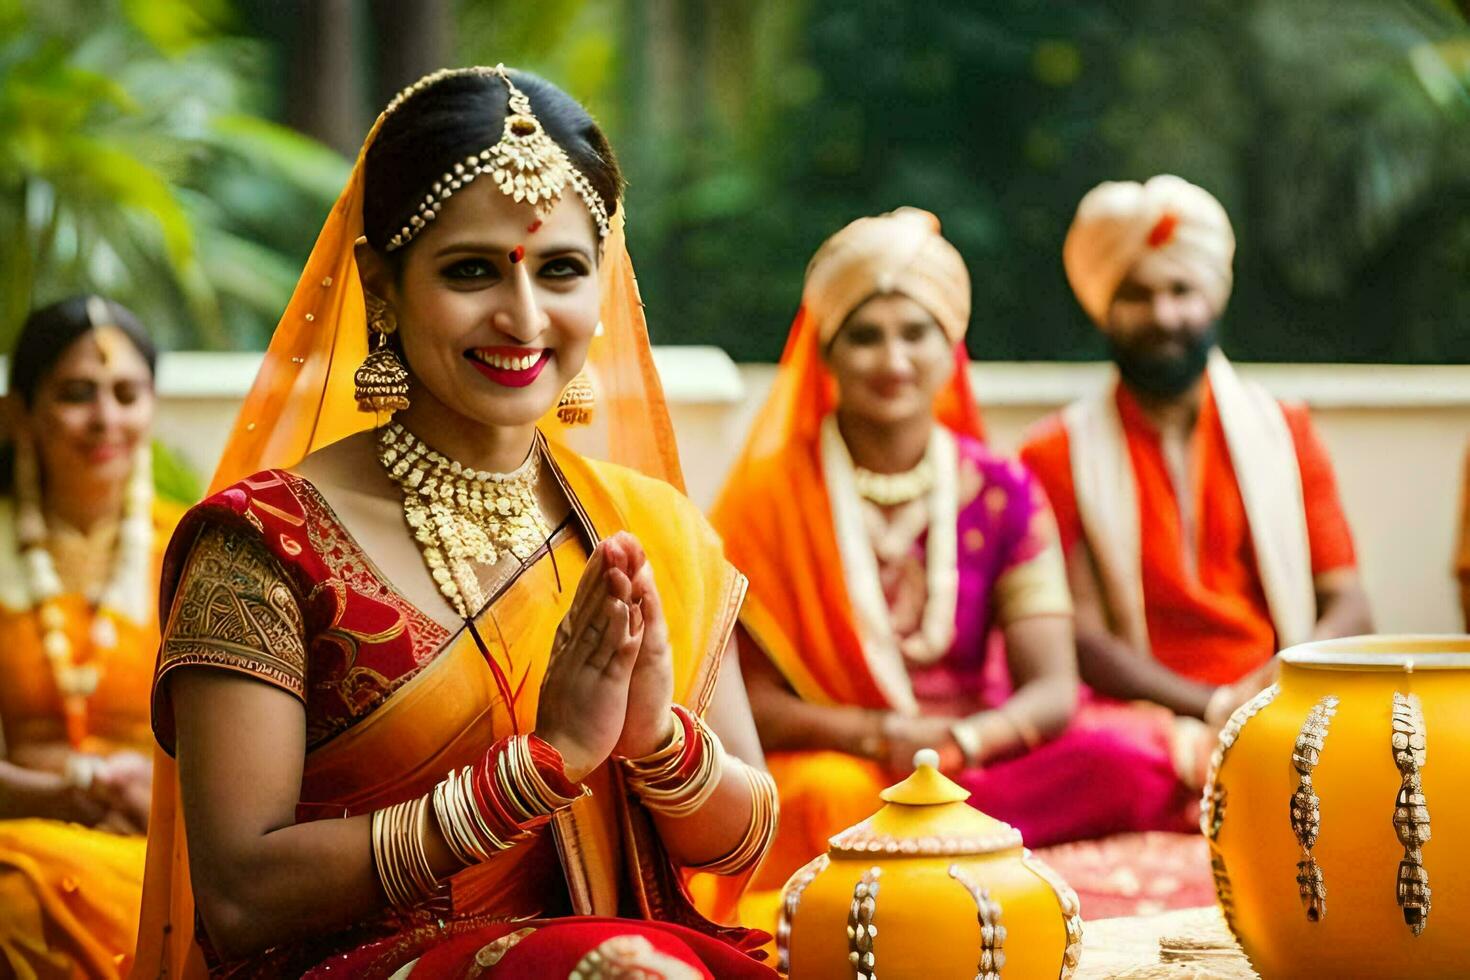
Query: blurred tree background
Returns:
{"type": "Point", "coordinates": [181, 155]}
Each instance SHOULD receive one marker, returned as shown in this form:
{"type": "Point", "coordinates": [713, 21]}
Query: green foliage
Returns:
{"type": "Point", "coordinates": [130, 166]}
{"type": "Point", "coordinates": [1336, 132]}
{"type": "Point", "coordinates": [173, 478]}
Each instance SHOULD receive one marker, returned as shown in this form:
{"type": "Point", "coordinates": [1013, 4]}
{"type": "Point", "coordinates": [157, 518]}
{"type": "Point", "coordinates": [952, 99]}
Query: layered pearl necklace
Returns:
{"type": "Point", "coordinates": [462, 518]}
{"type": "Point", "coordinates": [124, 592]}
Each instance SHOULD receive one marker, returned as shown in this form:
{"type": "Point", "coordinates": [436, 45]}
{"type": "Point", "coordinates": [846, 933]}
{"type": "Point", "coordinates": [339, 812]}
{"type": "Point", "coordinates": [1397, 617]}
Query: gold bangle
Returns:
{"type": "Point", "coordinates": [874, 744]}
{"type": "Point", "coordinates": [384, 823]}
{"type": "Point", "coordinates": [399, 853]}
{"type": "Point", "coordinates": [966, 734]}
{"type": "Point", "coordinates": [420, 871]}
{"type": "Point", "coordinates": [1028, 733]}
{"type": "Point", "coordinates": [547, 799]}
{"type": "Point", "coordinates": [685, 796]}
{"type": "Point", "coordinates": [759, 834]}
{"type": "Point", "coordinates": [662, 763]}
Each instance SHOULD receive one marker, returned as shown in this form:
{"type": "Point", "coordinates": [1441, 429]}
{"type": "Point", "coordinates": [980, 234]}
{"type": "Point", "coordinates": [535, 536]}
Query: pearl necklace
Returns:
{"type": "Point", "coordinates": [460, 517]}
{"type": "Point", "coordinates": [892, 489]}
{"type": "Point", "coordinates": [125, 592]}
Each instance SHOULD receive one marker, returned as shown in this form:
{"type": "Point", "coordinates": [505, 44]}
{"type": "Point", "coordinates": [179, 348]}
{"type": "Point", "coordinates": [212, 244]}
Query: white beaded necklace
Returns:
{"type": "Point", "coordinates": [125, 592]}
{"type": "Point", "coordinates": [462, 518]}
{"type": "Point", "coordinates": [892, 489]}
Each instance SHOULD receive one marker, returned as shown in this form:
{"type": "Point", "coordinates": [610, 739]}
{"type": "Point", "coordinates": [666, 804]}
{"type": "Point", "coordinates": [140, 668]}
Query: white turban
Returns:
{"type": "Point", "coordinates": [1168, 219]}
{"type": "Point", "coordinates": [898, 252]}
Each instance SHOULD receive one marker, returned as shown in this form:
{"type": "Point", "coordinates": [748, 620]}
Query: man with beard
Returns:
{"type": "Point", "coordinates": [1200, 516]}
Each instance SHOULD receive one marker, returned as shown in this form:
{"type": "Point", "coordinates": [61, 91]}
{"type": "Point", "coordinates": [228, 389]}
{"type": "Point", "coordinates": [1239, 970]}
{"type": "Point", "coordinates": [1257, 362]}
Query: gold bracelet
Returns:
{"type": "Point", "coordinates": [385, 858]}
{"type": "Point", "coordinates": [662, 763]}
{"type": "Point", "coordinates": [399, 854]}
{"type": "Point", "coordinates": [660, 789]}
{"type": "Point", "coordinates": [546, 799]}
{"type": "Point", "coordinates": [1030, 737]}
{"type": "Point", "coordinates": [966, 734]}
{"type": "Point", "coordinates": [759, 834]}
{"type": "Point", "coordinates": [420, 871]}
{"type": "Point", "coordinates": [873, 745]}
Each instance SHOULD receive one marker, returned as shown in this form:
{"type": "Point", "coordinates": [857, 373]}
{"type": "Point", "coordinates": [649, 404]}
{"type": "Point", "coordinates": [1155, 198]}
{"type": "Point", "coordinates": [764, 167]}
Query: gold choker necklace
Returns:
{"type": "Point", "coordinates": [460, 517]}
{"type": "Point", "coordinates": [892, 489]}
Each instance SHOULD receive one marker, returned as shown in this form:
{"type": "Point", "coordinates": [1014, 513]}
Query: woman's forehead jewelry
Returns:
{"type": "Point", "coordinates": [526, 164]}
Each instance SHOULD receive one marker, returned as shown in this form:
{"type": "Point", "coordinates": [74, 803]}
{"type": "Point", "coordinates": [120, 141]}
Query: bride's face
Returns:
{"type": "Point", "coordinates": [496, 308]}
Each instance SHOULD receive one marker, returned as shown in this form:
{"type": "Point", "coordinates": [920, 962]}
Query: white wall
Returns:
{"type": "Point", "coordinates": [1396, 434]}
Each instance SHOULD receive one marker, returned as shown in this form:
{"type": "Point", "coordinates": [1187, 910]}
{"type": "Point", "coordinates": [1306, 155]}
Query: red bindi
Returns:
{"type": "Point", "coordinates": [517, 253]}
{"type": "Point", "coordinates": [1163, 230]}
{"type": "Point", "coordinates": [534, 227]}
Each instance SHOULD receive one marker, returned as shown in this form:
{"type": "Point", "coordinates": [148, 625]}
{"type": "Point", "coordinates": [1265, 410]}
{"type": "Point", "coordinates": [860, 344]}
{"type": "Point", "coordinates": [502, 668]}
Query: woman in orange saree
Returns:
{"type": "Point", "coordinates": [80, 539]}
{"type": "Point", "coordinates": [887, 547]}
{"type": "Point", "coordinates": [431, 711]}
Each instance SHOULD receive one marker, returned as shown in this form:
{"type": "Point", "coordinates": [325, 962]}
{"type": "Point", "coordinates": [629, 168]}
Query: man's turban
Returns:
{"type": "Point", "coordinates": [1122, 223]}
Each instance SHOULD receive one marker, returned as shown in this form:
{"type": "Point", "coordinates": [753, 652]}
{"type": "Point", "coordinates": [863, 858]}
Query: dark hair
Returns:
{"type": "Point", "coordinates": [51, 330]}
{"type": "Point", "coordinates": [459, 115]}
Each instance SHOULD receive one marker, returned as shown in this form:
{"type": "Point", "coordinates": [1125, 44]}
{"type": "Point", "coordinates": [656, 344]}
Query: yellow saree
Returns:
{"type": "Point", "coordinates": [601, 857]}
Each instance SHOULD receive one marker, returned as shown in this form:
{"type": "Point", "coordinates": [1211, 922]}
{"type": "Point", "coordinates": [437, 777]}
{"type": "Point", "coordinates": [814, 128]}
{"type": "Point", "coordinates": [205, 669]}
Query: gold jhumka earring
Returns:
{"type": "Point", "coordinates": [578, 401]}
{"type": "Point", "coordinates": [381, 383]}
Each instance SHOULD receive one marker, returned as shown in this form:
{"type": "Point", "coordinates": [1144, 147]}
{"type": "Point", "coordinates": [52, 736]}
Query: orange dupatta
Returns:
{"type": "Point", "coordinates": [774, 516]}
{"type": "Point", "coordinates": [302, 400]}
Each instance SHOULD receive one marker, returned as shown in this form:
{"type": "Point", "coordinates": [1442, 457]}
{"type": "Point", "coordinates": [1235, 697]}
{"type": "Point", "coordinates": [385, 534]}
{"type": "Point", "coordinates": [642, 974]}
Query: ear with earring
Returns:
{"type": "Point", "coordinates": [382, 380]}
{"type": "Point", "coordinates": [578, 400]}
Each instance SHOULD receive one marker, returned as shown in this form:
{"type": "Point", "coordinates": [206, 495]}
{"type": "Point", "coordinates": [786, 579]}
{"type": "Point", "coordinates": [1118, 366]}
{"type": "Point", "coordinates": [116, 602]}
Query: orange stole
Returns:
{"type": "Point", "coordinates": [1210, 624]}
{"type": "Point", "coordinates": [449, 713]}
{"type": "Point", "coordinates": [775, 516]}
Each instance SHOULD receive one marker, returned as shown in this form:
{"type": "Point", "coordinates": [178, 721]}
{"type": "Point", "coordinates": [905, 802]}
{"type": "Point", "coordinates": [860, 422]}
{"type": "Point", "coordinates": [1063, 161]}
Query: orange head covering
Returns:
{"type": "Point", "coordinates": [1120, 224]}
{"type": "Point", "coordinates": [773, 511]}
{"type": "Point", "coordinates": [302, 400]}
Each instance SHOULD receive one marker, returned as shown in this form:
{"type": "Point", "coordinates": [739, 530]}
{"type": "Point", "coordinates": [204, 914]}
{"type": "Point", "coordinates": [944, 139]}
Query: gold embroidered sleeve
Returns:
{"type": "Point", "coordinates": [1036, 585]}
{"type": "Point", "coordinates": [235, 610]}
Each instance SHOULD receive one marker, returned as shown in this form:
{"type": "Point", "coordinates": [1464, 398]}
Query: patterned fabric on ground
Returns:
{"type": "Point", "coordinates": [1135, 874]}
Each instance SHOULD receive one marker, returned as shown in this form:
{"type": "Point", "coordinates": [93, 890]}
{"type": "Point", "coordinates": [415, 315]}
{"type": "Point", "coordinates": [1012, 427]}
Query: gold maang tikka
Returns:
{"type": "Point", "coordinates": [526, 164]}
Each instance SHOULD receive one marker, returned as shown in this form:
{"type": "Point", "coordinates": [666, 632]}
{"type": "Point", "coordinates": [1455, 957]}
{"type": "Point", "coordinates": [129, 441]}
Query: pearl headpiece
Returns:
{"type": "Point", "coordinates": [526, 164]}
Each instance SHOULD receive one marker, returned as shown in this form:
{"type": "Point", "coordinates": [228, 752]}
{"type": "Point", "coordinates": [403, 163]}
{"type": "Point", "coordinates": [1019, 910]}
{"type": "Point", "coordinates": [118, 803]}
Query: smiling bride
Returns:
{"type": "Point", "coordinates": [439, 696]}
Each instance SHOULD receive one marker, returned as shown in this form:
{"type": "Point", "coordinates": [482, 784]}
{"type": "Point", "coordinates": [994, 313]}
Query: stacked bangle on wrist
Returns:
{"type": "Point", "coordinates": [481, 809]}
{"type": "Point", "coordinates": [760, 832]}
{"type": "Point", "coordinates": [680, 777]}
{"type": "Point", "coordinates": [399, 856]}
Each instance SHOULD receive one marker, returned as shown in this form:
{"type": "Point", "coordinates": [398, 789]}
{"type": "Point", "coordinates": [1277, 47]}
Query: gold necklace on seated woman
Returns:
{"type": "Point", "coordinates": [463, 517]}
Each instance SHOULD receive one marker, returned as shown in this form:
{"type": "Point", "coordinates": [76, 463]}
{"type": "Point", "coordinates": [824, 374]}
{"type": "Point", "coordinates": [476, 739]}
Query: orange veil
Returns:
{"type": "Point", "coordinates": [775, 519]}
{"type": "Point", "coordinates": [302, 399]}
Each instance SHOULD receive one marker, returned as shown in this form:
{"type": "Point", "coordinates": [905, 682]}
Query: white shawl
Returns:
{"type": "Point", "coordinates": [1266, 469]}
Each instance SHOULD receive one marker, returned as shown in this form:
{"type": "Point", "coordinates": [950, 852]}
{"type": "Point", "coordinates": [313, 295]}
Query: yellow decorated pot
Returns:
{"type": "Point", "coordinates": [1337, 812]}
{"type": "Point", "coordinates": [928, 887]}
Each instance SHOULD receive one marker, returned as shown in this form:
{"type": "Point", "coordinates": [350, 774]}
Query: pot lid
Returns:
{"type": "Point", "coordinates": [926, 815]}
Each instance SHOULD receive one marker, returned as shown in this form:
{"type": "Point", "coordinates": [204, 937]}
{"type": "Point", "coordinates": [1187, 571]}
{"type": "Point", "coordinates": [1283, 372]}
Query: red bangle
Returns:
{"type": "Point", "coordinates": [551, 766]}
